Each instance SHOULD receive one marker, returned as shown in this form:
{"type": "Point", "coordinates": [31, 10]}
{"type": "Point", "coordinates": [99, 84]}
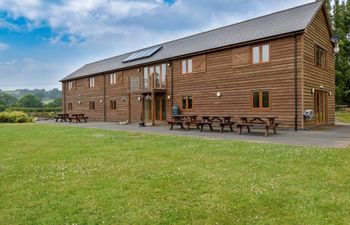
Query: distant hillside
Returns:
{"type": "Point", "coordinates": [42, 94]}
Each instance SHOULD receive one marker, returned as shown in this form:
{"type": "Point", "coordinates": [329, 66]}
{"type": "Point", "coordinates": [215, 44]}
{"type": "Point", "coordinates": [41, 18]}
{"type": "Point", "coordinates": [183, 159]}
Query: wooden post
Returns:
{"type": "Point", "coordinates": [153, 99]}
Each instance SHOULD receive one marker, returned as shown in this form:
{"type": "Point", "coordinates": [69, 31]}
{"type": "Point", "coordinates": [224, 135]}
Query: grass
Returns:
{"type": "Point", "coordinates": [343, 116]}
{"type": "Point", "coordinates": [65, 175]}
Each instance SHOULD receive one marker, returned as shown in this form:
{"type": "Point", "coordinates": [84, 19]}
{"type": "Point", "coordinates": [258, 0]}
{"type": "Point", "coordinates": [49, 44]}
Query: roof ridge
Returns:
{"type": "Point", "coordinates": [207, 31]}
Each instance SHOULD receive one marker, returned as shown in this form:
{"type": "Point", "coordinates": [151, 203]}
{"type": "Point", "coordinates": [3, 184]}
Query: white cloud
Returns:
{"type": "Point", "coordinates": [3, 46]}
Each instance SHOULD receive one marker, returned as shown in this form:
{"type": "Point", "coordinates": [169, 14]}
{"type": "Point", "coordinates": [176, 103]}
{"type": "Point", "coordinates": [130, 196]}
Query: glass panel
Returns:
{"type": "Point", "coordinates": [266, 53]}
{"type": "Point", "coordinates": [184, 100]}
{"type": "Point", "coordinates": [163, 76]}
{"type": "Point", "coordinates": [189, 102]}
{"type": "Point", "coordinates": [145, 78]}
{"type": "Point", "coordinates": [147, 109]}
{"type": "Point", "coordinates": [256, 55]}
{"type": "Point", "coordinates": [158, 102]}
{"type": "Point", "coordinates": [151, 75]}
{"type": "Point", "coordinates": [256, 100]}
{"type": "Point", "coordinates": [163, 108]}
{"type": "Point", "coordinates": [157, 76]}
{"type": "Point", "coordinates": [189, 65]}
{"type": "Point", "coordinates": [184, 67]}
{"type": "Point", "coordinates": [266, 99]}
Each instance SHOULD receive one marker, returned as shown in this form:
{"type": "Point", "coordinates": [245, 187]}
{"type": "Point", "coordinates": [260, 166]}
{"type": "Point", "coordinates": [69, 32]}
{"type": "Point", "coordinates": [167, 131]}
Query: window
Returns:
{"type": "Point", "coordinates": [145, 78]}
{"type": "Point", "coordinates": [113, 104]}
{"type": "Point", "coordinates": [70, 85]}
{"type": "Point", "coordinates": [265, 53]}
{"type": "Point", "coordinates": [260, 99]}
{"type": "Point", "coordinates": [261, 54]}
{"type": "Point", "coordinates": [163, 75]}
{"type": "Point", "coordinates": [113, 78]}
{"type": "Point", "coordinates": [70, 106]}
{"type": "Point", "coordinates": [157, 76]}
{"type": "Point", "coordinates": [92, 82]}
{"type": "Point", "coordinates": [186, 66]}
{"type": "Point", "coordinates": [256, 55]}
{"type": "Point", "coordinates": [187, 102]}
{"type": "Point", "coordinates": [320, 57]}
{"type": "Point", "coordinates": [159, 73]}
{"type": "Point", "coordinates": [134, 83]}
{"type": "Point", "coordinates": [92, 105]}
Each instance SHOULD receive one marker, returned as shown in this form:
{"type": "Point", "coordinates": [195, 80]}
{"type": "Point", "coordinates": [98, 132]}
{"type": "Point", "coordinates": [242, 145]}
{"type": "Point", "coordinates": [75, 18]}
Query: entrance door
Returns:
{"type": "Point", "coordinates": [321, 107]}
{"type": "Point", "coordinates": [160, 108]}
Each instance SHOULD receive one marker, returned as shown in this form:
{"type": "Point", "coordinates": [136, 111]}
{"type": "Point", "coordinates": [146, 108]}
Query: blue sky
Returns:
{"type": "Point", "coordinates": [42, 41]}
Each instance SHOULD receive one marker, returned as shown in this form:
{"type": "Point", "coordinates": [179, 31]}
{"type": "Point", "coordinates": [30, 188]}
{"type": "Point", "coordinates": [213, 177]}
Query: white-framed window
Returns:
{"type": "Point", "coordinates": [92, 82]}
{"type": "Point", "coordinates": [186, 66]}
{"type": "Point", "coordinates": [113, 78]}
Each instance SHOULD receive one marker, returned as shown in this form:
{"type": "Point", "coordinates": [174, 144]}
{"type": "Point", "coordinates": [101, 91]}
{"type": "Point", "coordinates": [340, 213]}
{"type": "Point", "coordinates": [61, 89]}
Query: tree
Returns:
{"type": "Point", "coordinates": [7, 99]}
{"type": "Point", "coordinates": [56, 103]}
{"type": "Point", "coordinates": [29, 101]}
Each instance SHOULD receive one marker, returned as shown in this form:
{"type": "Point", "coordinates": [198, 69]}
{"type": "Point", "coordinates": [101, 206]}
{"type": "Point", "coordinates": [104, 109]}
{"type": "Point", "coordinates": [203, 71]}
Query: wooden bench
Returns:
{"type": "Point", "coordinates": [267, 127]}
{"type": "Point", "coordinates": [229, 124]}
{"type": "Point", "coordinates": [78, 118]}
{"type": "Point", "coordinates": [175, 122]}
{"type": "Point", "coordinates": [201, 124]}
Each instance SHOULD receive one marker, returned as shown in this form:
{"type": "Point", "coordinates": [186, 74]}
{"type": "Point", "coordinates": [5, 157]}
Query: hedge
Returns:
{"type": "Point", "coordinates": [28, 110]}
{"type": "Point", "coordinates": [15, 117]}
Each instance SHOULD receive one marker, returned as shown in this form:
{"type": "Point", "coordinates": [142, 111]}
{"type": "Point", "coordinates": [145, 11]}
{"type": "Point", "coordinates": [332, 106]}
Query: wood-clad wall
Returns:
{"type": "Point", "coordinates": [313, 76]}
{"type": "Point", "coordinates": [231, 73]}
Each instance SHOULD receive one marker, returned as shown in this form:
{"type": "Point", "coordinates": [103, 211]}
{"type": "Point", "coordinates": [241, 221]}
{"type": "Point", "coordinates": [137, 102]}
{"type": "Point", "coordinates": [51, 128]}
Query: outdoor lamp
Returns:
{"type": "Point", "coordinates": [336, 49]}
{"type": "Point", "coordinates": [139, 98]}
{"type": "Point", "coordinates": [218, 94]}
{"type": "Point", "coordinates": [169, 97]}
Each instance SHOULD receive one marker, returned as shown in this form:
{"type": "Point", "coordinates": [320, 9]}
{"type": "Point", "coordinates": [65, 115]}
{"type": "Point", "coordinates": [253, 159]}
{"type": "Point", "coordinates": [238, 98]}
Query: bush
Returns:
{"type": "Point", "coordinates": [31, 110]}
{"type": "Point", "coordinates": [15, 117]}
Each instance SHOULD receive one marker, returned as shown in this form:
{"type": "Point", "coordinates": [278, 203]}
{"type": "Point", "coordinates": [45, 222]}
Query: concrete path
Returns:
{"type": "Point", "coordinates": [335, 137]}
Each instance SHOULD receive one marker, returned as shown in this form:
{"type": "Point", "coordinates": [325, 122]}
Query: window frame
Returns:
{"type": "Point", "coordinates": [92, 105]}
{"type": "Point", "coordinates": [324, 64]}
{"type": "Point", "coordinates": [187, 66]}
{"type": "Point", "coordinates": [162, 76]}
{"type": "Point", "coordinates": [70, 106]}
{"type": "Point", "coordinates": [260, 46]}
{"type": "Point", "coordinates": [113, 104]}
{"type": "Point", "coordinates": [260, 100]}
{"type": "Point", "coordinates": [113, 79]}
{"type": "Point", "coordinates": [92, 84]}
{"type": "Point", "coordinates": [131, 85]}
{"type": "Point", "coordinates": [187, 101]}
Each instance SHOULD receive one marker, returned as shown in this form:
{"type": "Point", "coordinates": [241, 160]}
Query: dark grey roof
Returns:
{"type": "Point", "coordinates": [283, 22]}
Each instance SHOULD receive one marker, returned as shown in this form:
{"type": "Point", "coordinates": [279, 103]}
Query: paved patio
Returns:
{"type": "Point", "coordinates": [337, 137]}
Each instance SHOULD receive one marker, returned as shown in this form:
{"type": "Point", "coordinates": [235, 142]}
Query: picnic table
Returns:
{"type": "Point", "coordinates": [265, 122]}
{"type": "Point", "coordinates": [62, 117]}
{"type": "Point", "coordinates": [222, 120]}
{"type": "Point", "coordinates": [182, 119]}
{"type": "Point", "coordinates": [78, 118]}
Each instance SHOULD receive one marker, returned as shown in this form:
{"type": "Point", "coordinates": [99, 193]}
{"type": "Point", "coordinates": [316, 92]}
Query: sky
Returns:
{"type": "Point", "coordinates": [42, 41]}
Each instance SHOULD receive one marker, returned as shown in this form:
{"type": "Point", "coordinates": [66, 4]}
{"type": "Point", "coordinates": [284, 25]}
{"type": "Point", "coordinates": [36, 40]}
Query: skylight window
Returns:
{"type": "Point", "coordinates": [142, 54]}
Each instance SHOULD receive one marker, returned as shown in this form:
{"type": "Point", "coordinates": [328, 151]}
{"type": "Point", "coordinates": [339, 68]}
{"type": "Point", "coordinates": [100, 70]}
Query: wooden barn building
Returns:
{"type": "Point", "coordinates": [279, 64]}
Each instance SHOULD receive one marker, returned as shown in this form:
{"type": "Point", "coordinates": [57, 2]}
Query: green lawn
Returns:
{"type": "Point", "coordinates": [64, 175]}
{"type": "Point", "coordinates": [343, 116]}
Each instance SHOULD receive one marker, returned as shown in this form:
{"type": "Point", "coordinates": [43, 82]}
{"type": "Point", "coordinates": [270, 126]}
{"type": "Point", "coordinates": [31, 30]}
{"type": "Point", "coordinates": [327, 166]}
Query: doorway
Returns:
{"type": "Point", "coordinates": [321, 107]}
{"type": "Point", "coordinates": [159, 108]}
